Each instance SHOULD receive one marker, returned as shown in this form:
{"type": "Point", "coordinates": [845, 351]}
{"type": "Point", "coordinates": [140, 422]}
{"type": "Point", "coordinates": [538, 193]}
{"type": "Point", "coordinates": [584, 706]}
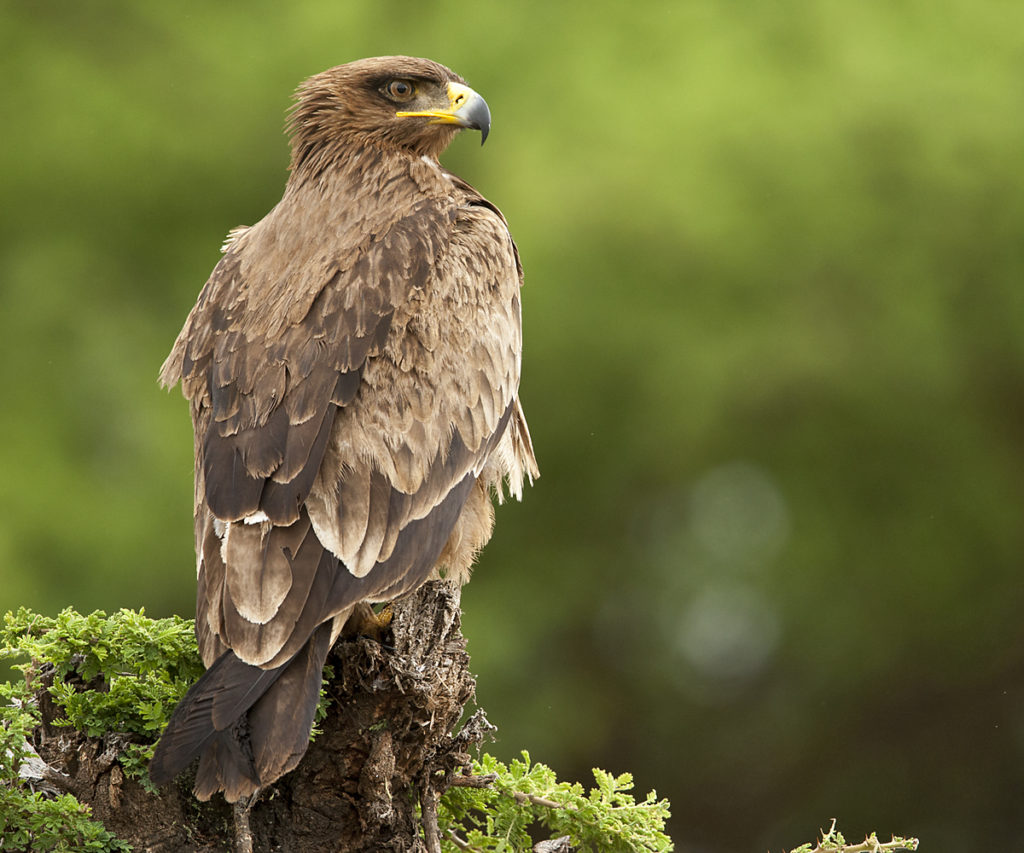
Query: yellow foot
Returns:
{"type": "Point", "coordinates": [385, 615]}
{"type": "Point", "coordinates": [365, 622]}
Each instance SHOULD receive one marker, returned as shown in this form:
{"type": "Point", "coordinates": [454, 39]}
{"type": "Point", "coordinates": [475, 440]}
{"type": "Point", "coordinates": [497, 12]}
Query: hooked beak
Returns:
{"type": "Point", "coordinates": [466, 108]}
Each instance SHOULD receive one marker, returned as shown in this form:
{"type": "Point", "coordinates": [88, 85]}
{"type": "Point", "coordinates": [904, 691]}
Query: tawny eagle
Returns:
{"type": "Point", "coordinates": [352, 366]}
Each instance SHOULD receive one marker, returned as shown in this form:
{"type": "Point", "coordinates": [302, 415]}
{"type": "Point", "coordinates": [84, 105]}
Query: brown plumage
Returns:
{"type": "Point", "coordinates": [352, 367]}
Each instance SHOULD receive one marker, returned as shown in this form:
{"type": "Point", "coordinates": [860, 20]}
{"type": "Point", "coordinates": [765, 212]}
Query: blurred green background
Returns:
{"type": "Point", "coordinates": [774, 322]}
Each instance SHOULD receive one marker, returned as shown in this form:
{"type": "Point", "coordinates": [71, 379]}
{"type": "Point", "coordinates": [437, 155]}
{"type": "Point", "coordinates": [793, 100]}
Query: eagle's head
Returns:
{"type": "Point", "coordinates": [389, 102]}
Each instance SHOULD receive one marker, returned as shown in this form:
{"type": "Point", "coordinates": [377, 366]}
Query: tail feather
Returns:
{"type": "Point", "coordinates": [247, 725]}
{"type": "Point", "coordinates": [227, 765]}
{"type": "Point", "coordinates": [280, 723]}
{"type": "Point", "coordinates": [212, 707]}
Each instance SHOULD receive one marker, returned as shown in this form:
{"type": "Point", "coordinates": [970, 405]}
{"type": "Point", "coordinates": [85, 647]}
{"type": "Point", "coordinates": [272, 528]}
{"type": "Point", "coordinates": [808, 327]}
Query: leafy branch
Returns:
{"type": "Point", "coordinates": [114, 677]}
{"type": "Point", "coordinates": [118, 674]}
{"type": "Point", "coordinates": [833, 842]}
{"type": "Point", "coordinates": [496, 811]}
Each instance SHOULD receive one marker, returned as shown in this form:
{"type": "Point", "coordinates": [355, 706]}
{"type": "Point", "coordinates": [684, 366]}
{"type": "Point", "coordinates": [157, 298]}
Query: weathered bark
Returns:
{"type": "Point", "coordinates": [386, 748]}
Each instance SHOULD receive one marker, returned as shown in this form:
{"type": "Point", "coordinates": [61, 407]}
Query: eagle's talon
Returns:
{"type": "Point", "coordinates": [367, 623]}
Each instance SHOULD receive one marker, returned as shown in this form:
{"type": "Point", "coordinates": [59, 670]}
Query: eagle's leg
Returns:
{"type": "Point", "coordinates": [365, 622]}
{"type": "Point", "coordinates": [384, 616]}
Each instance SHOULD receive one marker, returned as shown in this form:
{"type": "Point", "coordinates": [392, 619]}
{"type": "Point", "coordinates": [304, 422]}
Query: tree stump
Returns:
{"type": "Point", "coordinates": [369, 782]}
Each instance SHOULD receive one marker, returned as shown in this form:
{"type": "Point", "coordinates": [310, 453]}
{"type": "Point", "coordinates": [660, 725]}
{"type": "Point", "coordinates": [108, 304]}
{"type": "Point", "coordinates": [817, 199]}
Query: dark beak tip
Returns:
{"type": "Point", "coordinates": [478, 117]}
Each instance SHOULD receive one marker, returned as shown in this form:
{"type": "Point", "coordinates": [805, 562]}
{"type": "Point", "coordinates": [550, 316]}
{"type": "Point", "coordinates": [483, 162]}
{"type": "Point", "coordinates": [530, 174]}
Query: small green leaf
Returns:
{"type": "Point", "coordinates": [527, 800]}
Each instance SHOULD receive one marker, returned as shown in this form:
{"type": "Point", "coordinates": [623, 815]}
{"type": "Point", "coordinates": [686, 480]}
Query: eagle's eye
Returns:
{"type": "Point", "coordinates": [400, 90]}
